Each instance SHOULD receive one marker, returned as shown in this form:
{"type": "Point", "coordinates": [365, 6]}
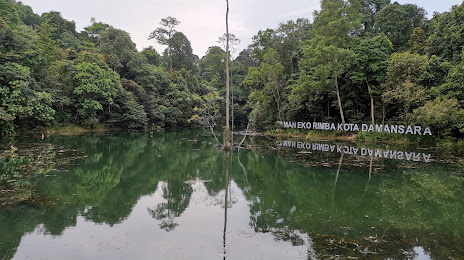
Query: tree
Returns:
{"type": "Point", "coordinates": [18, 100]}
{"type": "Point", "coordinates": [59, 25]}
{"type": "Point", "coordinates": [9, 13]}
{"type": "Point", "coordinates": [447, 35]}
{"type": "Point", "coordinates": [418, 41]}
{"type": "Point", "coordinates": [398, 21]}
{"type": "Point", "coordinates": [27, 15]}
{"type": "Point", "coordinates": [454, 82]}
{"type": "Point", "coordinates": [328, 53]}
{"type": "Point", "coordinates": [233, 42]}
{"type": "Point", "coordinates": [369, 12]}
{"type": "Point", "coordinates": [164, 34]}
{"type": "Point", "coordinates": [207, 110]}
{"type": "Point", "coordinates": [330, 62]}
{"type": "Point", "coordinates": [443, 114]}
{"type": "Point", "coordinates": [117, 47]}
{"type": "Point", "coordinates": [213, 64]}
{"type": "Point", "coordinates": [152, 56]}
{"type": "Point", "coordinates": [181, 52]}
{"type": "Point", "coordinates": [94, 30]}
{"type": "Point", "coordinates": [371, 63]}
{"type": "Point", "coordinates": [403, 88]}
{"type": "Point", "coordinates": [227, 133]}
{"type": "Point", "coordinates": [286, 40]}
{"type": "Point", "coordinates": [337, 22]}
{"type": "Point", "coordinates": [270, 78]}
{"type": "Point", "coordinates": [96, 88]}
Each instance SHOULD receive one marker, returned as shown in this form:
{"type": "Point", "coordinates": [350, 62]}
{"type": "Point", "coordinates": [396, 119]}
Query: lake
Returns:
{"type": "Point", "coordinates": [174, 195]}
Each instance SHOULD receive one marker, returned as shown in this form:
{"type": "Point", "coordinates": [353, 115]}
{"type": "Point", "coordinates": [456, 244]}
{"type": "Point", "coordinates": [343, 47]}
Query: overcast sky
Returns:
{"type": "Point", "coordinates": [202, 21]}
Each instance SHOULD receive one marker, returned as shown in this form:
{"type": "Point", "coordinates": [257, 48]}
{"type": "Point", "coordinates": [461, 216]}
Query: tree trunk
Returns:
{"type": "Point", "coordinates": [372, 102]}
{"type": "Point", "coordinates": [339, 101]}
{"type": "Point", "coordinates": [227, 130]}
{"type": "Point", "coordinates": [232, 105]}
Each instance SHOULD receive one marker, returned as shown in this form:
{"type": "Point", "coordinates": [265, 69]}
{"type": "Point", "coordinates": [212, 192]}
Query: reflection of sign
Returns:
{"type": "Point", "coordinates": [391, 129]}
{"type": "Point", "coordinates": [351, 150]}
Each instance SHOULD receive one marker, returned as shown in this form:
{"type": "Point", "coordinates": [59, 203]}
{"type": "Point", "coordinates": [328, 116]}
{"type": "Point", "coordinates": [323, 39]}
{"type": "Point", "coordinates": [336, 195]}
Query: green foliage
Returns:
{"type": "Point", "coordinates": [398, 21]}
{"type": "Point", "coordinates": [95, 90]}
{"type": "Point", "coordinates": [268, 80]}
{"type": "Point", "coordinates": [336, 21]}
{"type": "Point", "coordinates": [447, 36]}
{"type": "Point", "coordinates": [212, 64]}
{"type": "Point", "coordinates": [403, 88]}
{"type": "Point", "coordinates": [181, 52]}
{"type": "Point", "coordinates": [128, 112]}
{"type": "Point", "coordinates": [207, 109]}
{"type": "Point", "coordinates": [418, 41]}
{"type": "Point", "coordinates": [369, 11]}
{"type": "Point", "coordinates": [152, 56]}
{"type": "Point", "coordinates": [27, 15]}
{"type": "Point", "coordinates": [9, 13]}
{"type": "Point", "coordinates": [372, 54]}
{"type": "Point", "coordinates": [164, 34]}
{"type": "Point", "coordinates": [444, 115]}
{"type": "Point", "coordinates": [17, 100]}
{"type": "Point", "coordinates": [117, 47]}
{"type": "Point", "coordinates": [322, 70]}
{"type": "Point", "coordinates": [94, 30]}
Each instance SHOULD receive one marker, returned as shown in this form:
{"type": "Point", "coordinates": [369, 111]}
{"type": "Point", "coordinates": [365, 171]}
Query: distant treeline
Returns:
{"type": "Point", "coordinates": [359, 61]}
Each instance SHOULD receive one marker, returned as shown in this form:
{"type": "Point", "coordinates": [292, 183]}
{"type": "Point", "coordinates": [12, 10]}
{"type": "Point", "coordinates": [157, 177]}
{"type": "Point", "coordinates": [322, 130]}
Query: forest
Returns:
{"type": "Point", "coordinates": [358, 61]}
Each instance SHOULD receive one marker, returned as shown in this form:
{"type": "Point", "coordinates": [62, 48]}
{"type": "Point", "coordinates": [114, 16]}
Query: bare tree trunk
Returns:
{"type": "Point", "coordinates": [227, 130]}
{"type": "Point", "coordinates": [372, 102]}
{"type": "Point", "coordinates": [226, 205]}
{"type": "Point", "coordinates": [339, 101]}
{"type": "Point", "coordinates": [243, 140]}
{"type": "Point", "coordinates": [232, 105]}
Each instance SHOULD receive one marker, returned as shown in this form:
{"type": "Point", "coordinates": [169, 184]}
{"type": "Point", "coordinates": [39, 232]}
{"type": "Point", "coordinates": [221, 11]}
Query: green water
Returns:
{"type": "Point", "coordinates": [173, 195]}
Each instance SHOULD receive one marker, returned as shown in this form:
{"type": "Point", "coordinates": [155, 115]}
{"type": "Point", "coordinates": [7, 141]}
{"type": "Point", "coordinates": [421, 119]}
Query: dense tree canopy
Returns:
{"type": "Point", "coordinates": [359, 61]}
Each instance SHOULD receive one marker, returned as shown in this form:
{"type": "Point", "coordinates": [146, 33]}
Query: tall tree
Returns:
{"type": "Point", "coordinates": [227, 133]}
{"type": "Point", "coordinates": [269, 78]}
{"type": "Point", "coordinates": [233, 42]}
{"type": "Point", "coordinates": [181, 52]}
{"type": "Point", "coordinates": [329, 54]}
{"type": "Point", "coordinates": [163, 35]}
{"type": "Point", "coordinates": [371, 64]}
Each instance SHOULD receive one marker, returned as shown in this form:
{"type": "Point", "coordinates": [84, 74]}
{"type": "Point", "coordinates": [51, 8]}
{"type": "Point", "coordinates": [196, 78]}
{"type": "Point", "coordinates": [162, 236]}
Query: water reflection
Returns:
{"type": "Point", "coordinates": [177, 197]}
{"type": "Point", "coordinates": [172, 194]}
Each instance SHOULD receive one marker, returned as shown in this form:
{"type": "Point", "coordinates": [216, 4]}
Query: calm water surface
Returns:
{"type": "Point", "coordinates": [172, 195]}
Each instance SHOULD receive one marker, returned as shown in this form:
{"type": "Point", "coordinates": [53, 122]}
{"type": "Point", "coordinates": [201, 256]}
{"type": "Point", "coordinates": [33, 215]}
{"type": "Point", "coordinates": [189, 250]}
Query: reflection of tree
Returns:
{"type": "Point", "coordinates": [286, 199]}
{"type": "Point", "coordinates": [432, 200]}
{"type": "Point", "coordinates": [385, 221]}
{"type": "Point", "coordinates": [177, 195]}
{"type": "Point", "coordinates": [226, 205]}
{"type": "Point", "coordinates": [336, 176]}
